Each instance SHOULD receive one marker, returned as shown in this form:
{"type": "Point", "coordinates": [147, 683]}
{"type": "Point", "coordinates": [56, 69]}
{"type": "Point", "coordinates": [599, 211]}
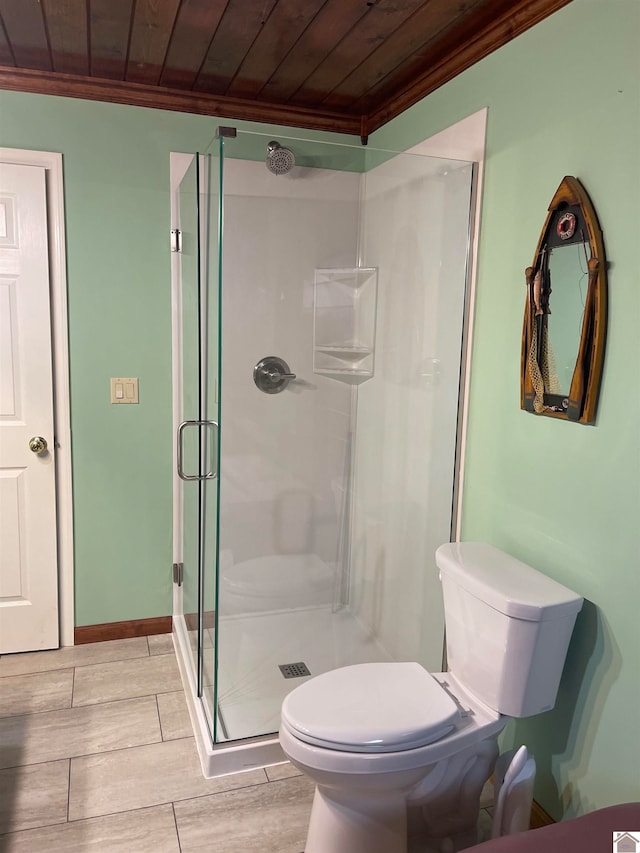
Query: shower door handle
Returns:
{"type": "Point", "coordinates": [181, 430]}
{"type": "Point", "coordinates": [210, 475]}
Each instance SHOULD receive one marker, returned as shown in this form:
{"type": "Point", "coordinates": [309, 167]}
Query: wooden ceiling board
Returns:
{"type": "Point", "coordinates": [285, 25]}
{"type": "Point", "coordinates": [237, 31]}
{"type": "Point", "coordinates": [178, 100]}
{"type": "Point", "coordinates": [361, 41]}
{"type": "Point", "coordinates": [346, 66]}
{"type": "Point", "coordinates": [423, 28]}
{"type": "Point", "coordinates": [151, 31]}
{"type": "Point", "coordinates": [521, 16]}
{"type": "Point", "coordinates": [25, 29]}
{"type": "Point", "coordinates": [195, 25]}
{"type": "Point", "coordinates": [68, 35]}
{"type": "Point", "coordinates": [329, 27]}
{"type": "Point", "coordinates": [6, 54]}
{"type": "Point", "coordinates": [480, 17]}
{"type": "Point", "coordinates": [109, 28]}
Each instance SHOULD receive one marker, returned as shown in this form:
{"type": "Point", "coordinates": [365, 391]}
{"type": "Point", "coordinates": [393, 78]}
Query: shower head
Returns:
{"type": "Point", "coordinates": [279, 160]}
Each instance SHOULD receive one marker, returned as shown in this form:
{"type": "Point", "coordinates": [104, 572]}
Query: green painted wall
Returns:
{"type": "Point", "coordinates": [116, 172]}
{"type": "Point", "coordinates": [563, 99]}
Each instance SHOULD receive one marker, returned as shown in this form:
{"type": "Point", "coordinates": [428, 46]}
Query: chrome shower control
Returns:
{"type": "Point", "coordinates": [272, 375]}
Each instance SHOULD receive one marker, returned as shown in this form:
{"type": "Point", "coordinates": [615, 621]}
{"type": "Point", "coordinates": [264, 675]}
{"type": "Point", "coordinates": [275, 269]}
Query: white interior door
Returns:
{"type": "Point", "coordinates": [28, 547]}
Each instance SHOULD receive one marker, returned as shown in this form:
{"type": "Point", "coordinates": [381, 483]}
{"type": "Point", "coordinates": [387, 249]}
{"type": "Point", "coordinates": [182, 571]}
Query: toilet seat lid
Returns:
{"type": "Point", "coordinates": [371, 707]}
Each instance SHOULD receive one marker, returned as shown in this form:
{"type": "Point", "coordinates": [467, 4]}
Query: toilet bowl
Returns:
{"type": "Point", "coordinates": [436, 740]}
{"type": "Point", "coordinates": [388, 742]}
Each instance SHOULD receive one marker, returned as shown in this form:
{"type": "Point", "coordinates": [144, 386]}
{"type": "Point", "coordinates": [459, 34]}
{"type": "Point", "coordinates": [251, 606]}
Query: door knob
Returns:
{"type": "Point", "coordinates": [37, 444]}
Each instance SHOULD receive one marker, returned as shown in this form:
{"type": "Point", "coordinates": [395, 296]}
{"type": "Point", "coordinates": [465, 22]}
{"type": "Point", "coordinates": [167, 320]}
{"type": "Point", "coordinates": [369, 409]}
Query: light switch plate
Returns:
{"type": "Point", "coordinates": [124, 390]}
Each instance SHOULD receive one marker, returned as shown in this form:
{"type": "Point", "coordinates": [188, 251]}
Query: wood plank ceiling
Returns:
{"type": "Point", "coordinates": [342, 65]}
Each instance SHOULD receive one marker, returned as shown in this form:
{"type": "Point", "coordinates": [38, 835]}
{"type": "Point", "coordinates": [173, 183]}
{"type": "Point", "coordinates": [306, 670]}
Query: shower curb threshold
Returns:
{"type": "Point", "coordinates": [226, 758]}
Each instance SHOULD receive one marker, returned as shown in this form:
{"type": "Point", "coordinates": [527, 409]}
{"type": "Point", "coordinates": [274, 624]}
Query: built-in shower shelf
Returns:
{"type": "Point", "coordinates": [350, 353]}
{"type": "Point", "coordinates": [353, 377]}
{"type": "Point", "coordinates": [344, 315]}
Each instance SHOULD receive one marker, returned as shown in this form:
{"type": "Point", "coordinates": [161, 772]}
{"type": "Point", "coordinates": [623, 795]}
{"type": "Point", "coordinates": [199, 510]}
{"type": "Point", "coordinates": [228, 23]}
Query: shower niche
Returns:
{"type": "Point", "coordinates": [344, 323]}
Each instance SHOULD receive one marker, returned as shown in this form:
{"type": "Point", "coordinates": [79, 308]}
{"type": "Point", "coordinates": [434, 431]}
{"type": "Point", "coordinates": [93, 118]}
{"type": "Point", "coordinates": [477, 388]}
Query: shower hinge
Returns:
{"type": "Point", "coordinates": [178, 573]}
{"type": "Point", "coordinates": [176, 240]}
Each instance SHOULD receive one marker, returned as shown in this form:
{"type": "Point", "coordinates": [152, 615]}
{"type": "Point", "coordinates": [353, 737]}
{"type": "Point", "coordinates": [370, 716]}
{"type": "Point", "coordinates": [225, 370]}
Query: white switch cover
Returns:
{"type": "Point", "coordinates": [124, 390]}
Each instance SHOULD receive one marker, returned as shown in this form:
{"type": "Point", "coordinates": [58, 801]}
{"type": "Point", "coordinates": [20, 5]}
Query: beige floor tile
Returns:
{"type": "Point", "coordinates": [43, 691]}
{"type": "Point", "coordinates": [78, 731]}
{"type": "Point", "coordinates": [269, 818]}
{"type": "Point", "coordinates": [107, 682]}
{"type": "Point", "coordinates": [33, 796]}
{"type": "Point", "coordinates": [485, 825]}
{"type": "Point", "coordinates": [207, 639]}
{"type": "Point", "coordinates": [145, 831]}
{"type": "Point", "coordinates": [174, 716]}
{"type": "Point", "coordinates": [144, 776]}
{"type": "Point", "coordinates": [208, 667]}
{"type": "Point", "coordinates": [486, 795]}
{"type": "Point", "coordinates": [71, 656]}
{"type": "Point", "coordinates": [160, 644]}
{"type": "Point", "coordinates": [281, 771]}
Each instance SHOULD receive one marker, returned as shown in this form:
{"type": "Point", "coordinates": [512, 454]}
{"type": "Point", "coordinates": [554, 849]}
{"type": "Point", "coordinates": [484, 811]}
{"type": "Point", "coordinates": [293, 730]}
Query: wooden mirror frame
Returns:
{"type": "Point", "coordinates": [570, 198]}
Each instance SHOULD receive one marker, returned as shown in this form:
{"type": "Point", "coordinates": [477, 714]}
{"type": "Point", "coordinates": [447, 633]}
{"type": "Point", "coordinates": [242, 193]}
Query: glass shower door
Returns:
{"type": "Point", "coordinates": [336, 492]}
{"type": "Point", "coordinates": [198, 431]}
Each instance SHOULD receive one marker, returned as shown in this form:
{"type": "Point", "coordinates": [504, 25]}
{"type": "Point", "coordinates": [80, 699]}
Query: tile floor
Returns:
{"type": "Point", "coordinates": [97, 756]}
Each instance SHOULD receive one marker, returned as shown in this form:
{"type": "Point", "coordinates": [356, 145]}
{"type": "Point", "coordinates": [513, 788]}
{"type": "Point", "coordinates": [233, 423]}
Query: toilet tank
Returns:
{"type": "Point", "coordinates": [508, 627]}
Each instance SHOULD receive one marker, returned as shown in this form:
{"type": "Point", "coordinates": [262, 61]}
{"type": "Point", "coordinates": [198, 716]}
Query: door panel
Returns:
{"type": "Point", "coordinates": [199, 431]}
{"type": "Point", "coordinates": [188, 438]}
{"type": "Point", "coordinates": [28, 541]}
{"type": "Point", "coordinates": [211, 221]}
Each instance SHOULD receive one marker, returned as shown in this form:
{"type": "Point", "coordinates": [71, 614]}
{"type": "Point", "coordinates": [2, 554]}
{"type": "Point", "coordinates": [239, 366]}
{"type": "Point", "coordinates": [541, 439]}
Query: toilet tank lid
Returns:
{"type": "Point", "coordinates": [506, 584]}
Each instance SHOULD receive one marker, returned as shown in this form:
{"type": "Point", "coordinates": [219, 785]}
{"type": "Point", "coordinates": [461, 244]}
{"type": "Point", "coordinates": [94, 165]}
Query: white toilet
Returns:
{"type": "Point", "coordinates": [390, 745]}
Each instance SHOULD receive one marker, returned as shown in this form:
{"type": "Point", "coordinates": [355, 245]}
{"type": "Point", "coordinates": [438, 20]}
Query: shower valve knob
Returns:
{"type": "Point", "coordinates": [276, 376]}
{"type": "Point", "coordinates": [272, 374]}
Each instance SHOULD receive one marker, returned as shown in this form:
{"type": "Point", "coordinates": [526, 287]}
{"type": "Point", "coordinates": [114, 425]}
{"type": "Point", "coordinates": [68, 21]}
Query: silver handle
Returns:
{"type": "Point", "coordinates": [210, 475]}
{"type": "Point", "coordinates": [276, 376]}
{"type": "Point", "coordinates": [271, 374]}
{"type": "Point", "coordinates": [181, 430]}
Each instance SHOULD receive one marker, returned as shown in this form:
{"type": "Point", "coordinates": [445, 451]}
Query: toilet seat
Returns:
{"type": "Point", "coordinates": [371, 708]}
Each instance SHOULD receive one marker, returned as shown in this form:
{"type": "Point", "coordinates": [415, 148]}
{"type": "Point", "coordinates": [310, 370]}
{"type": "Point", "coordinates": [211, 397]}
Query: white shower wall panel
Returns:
{"type": "Point", "coordinates": [283, 456]}
{"type": "Point", "coordinates": [415, 231]}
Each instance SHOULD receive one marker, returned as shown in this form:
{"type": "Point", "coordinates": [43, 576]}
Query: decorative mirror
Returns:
{"type": "Point", "coordinates": [565, 315]}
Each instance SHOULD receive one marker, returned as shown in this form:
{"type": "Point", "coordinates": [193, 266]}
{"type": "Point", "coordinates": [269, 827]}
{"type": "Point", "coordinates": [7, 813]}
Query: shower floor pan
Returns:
{"type": "Point", "coordinates": [275, 582]}
{"type": "Point", "coordinates": [251, 685]}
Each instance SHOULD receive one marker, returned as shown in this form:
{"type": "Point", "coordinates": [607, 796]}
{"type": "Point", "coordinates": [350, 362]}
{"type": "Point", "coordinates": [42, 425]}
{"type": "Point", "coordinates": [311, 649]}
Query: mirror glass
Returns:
{"type": "Point", "coordinates": [568, 275]}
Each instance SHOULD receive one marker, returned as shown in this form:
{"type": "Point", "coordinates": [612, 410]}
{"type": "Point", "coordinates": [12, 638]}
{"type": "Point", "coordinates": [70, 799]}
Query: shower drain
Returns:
{"type": "Point", "coordinates": [294, 670]}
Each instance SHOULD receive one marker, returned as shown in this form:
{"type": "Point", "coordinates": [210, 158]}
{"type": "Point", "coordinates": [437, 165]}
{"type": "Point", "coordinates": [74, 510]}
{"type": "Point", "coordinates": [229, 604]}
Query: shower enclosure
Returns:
{"type": "Point", "coordinates": [320, 308]}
